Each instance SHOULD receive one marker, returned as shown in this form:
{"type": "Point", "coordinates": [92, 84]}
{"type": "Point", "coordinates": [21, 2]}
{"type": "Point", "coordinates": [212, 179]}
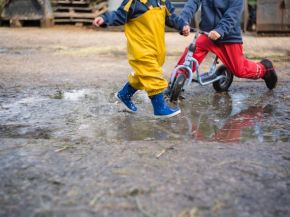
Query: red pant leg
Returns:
{"type": "Point", "coordinates": [230, 54]}
{"type": "Point", "coordinates": [231, 132]}
{"type": "Point", "coordinates": [233, 58]}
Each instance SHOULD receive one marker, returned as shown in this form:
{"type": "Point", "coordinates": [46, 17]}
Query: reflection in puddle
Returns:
{"type": "Point", "coordinates": [93, 114]}
{"type": "Point", "coordinates": [217, 118]}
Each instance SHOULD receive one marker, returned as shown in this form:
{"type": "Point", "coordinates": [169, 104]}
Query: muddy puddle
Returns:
{"type": "Point", "coordinates": [94, 114]}
{"type": "Point", "coordinates": [68, 149]}
{"type": "Point", "coordinates": [76, 152]}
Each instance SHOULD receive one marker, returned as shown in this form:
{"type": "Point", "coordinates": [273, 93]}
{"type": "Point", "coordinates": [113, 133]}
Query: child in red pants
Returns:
{"type": "Point", "coordinates": [221, 18]}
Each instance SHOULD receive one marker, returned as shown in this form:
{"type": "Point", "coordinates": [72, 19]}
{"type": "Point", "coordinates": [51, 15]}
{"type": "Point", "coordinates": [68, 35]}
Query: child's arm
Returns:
{"type": "Point", "coordinates": [114, 18]}
{"type": "Point", "coordinates": [230, 18]}
{"type": "Point", "coordinates": [172, 20]}
{"type": "Point", "coordinates": [189, 10]}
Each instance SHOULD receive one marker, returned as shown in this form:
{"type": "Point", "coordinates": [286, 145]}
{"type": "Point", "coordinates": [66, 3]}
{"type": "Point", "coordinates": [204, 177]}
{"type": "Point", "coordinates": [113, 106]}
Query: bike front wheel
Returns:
{"type": "Point", "coordinates": [177, 87]}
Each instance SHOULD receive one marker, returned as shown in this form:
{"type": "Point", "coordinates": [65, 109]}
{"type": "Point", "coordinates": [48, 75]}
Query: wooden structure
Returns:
{"type": "Point", "coordinates": [273, 16]}
{"type": "Point", "coordinates": [77, 11]}
{"type": "Point", "coordinates": [19, 12]}
{"type": "Point", "coordinates": [46, 13]}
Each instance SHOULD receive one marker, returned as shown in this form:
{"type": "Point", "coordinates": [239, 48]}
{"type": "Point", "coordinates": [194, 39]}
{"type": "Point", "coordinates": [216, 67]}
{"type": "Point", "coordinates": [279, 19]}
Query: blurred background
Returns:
{"type": "Point", "coordinates": [261, 16]}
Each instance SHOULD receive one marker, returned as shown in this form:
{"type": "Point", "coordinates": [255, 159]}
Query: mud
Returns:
{"type": "Point", "coordinates": [69, 149]}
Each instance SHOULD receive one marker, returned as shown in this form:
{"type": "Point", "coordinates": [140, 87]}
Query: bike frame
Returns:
{"type": "Point", "coordinates": [188, 65]}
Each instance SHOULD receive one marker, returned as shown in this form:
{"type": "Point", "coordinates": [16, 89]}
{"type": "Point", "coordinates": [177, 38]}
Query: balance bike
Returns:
{"type": "Point", "coordinates": [182, 76]}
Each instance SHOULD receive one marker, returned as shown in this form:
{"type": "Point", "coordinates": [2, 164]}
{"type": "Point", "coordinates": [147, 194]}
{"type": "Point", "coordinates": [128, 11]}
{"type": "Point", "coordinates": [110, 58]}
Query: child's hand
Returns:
{"type": "Point", "coordinates": [185, 30]}
{"type": "Point", "coordinates": [98, 21]}
{"type": "Point", "coordinates": [214, 35]}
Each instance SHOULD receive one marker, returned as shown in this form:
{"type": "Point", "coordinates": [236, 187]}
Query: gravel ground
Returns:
{"type": "Point", "coordinates": [68, 149]}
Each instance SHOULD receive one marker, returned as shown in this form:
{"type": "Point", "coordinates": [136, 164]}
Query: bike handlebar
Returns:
{"type": "Point", "coordinates": [192, 46]}
{"type": "Point", "coordinates": [198, 31]}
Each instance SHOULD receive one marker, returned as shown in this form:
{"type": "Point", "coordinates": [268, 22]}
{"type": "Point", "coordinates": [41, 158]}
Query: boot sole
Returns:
{"type": "Point", "coordinates": [168, 116]}
{"type": "Point", "coordinates": [123, 105]}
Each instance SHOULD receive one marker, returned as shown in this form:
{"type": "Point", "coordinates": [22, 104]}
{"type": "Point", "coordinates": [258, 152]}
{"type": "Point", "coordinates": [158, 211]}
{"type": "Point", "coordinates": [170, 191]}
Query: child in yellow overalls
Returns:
{"type": "Point", "coordinates": [144, 22]}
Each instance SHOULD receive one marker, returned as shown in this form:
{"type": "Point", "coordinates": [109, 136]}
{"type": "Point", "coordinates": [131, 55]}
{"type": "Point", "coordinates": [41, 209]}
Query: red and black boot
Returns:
{"type": "Point", "coordinates": [270, 76]}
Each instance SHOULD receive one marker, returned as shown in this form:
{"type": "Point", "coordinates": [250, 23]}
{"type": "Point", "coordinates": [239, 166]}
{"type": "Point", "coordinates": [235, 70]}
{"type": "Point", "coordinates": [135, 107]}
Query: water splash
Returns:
{"type": "Point", "coordinates": [76, 95]}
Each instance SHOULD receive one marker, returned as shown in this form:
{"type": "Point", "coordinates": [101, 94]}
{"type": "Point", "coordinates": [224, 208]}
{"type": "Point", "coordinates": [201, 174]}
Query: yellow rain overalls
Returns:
{"type": "Point", "coordinates": [146, 49]}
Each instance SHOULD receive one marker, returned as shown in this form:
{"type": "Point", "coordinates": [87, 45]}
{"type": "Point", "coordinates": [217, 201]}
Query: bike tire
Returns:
{"type": "Point", "coordinates": [223, 85]}
{"type": "Point", "coordinates": [177, 87]}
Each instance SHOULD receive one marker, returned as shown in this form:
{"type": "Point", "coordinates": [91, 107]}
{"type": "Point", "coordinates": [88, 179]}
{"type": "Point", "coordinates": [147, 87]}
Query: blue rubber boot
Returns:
{"type": "Point", "coordinates": [161, 109]}
{"type": "Point", "coordinates": [124, 95]}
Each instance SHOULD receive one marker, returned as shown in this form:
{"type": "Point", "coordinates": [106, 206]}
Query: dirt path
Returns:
{"type": "Point", "coordinates": [68, 149]}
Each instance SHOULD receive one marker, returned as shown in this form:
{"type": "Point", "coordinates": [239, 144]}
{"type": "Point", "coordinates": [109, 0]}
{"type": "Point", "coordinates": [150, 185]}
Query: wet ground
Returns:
{"type": "Point", "coordinates": [67, 148]}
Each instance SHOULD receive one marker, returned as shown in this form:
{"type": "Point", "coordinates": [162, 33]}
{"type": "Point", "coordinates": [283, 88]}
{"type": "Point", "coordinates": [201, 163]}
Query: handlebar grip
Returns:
{"type": "Point", "coordinates": [204, 33]}
{"type": "Point", "coordinates": [199, 31]}
{"type": "Point", "coordinates": [192, 47]}
{"type": "Point", "coordinates": [192, 29]}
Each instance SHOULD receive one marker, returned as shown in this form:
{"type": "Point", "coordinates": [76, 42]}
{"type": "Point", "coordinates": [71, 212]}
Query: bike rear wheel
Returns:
{"type": "Point", "coordinates": [177, 87]}
{"type": "Point", "coordinates": [223, 85]}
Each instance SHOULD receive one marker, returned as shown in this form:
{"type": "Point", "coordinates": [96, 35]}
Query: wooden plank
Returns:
{"type": "Point", "coordinates": [69, 2]}
{"type": "Point", "coordinates": [71, 13]}
{"type": "Point", "coordinates": [78, 15]}
{"type": "Point", "coordinates": [73, 20]}
{"type": "Point", "coordinates": [22, 18]}
{"type": "Point", "coordinates": [76, 9]}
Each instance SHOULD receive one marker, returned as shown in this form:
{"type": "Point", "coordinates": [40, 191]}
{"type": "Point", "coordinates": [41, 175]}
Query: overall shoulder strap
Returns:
{"type": "Point", "coordinates": [128, 5]}
{"type": "Point", "coordinates": [163, 3]}
{"type": "Point", "coordinates": [146, 3]}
